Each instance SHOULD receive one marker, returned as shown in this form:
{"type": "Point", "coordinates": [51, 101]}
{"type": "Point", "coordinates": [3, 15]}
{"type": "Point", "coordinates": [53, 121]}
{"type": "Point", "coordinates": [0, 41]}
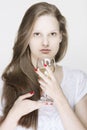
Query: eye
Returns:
{"type": "Point", "coordinates": [53, 34]}
{"type": "Point", "coordinates": [36, 34]}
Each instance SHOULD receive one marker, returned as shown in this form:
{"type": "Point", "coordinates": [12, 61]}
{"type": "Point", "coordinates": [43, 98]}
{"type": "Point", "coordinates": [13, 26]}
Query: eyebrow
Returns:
{"type": "Point", "coordinates": [41, 31]}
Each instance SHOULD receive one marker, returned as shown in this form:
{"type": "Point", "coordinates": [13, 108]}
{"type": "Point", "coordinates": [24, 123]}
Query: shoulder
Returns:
{"type": "Point", "coordinates": [76, 80]}
{"type": "Point", "coordinates": [78, 75]}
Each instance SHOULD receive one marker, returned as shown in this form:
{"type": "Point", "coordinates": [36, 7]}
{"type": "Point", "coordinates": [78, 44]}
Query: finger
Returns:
{"type": "Point", "coordinates": [41, 74]}
{"type": "Point", "coordinates": [38, 104]}
{"type": "Point", "coordinates": [48, 69]}
{"type": "Point", "coordinates": [43, 103]}
{"type": "Point", "coordinates": [42, 83]}
{"type": "Point", "coordinates": [30, 94]}
{"type": "Point", "coordinates": [43, 88]}
{"type": "Point", "coordinates": [44, 77]}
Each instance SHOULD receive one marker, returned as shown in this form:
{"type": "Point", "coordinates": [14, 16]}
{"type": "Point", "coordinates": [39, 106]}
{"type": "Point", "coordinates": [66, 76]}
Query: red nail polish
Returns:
{"type": "Point", "coordinates": [35, 69]}
{"type": "Point", "coordinates": [51, 103]}
{"type": "Point", "coordinates": [45, 65]}
{"type": "Point", "coordinates": [46, 103]}
{"type": "Point", "coordinates": [32, 92]}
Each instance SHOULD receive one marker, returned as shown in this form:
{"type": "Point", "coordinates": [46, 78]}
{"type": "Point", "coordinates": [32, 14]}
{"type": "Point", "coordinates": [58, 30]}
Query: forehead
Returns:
{"type": "Point", "coordinates": [46, 22]}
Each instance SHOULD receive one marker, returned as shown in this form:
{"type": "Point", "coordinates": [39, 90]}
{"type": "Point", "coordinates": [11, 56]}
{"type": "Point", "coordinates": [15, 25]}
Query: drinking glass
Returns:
{"type": "Point", "coordinates": [41, 62]}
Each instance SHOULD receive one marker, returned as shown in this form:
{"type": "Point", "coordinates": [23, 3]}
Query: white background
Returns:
{"type": "Point", "coordinates": [75, 11]}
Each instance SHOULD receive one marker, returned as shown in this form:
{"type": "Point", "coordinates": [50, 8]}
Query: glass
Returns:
{"type": "Point", "coordinates": [40, 64]}
{"type": "Point", "coordinates": [46, 61]}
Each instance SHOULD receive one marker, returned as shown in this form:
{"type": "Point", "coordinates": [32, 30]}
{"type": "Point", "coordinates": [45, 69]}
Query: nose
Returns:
{"type": "Point", "coordinates": [45, 42]}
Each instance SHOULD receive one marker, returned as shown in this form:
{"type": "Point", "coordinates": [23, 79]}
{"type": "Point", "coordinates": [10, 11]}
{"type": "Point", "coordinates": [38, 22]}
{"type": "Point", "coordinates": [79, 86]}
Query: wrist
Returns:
{"type": "Point", "coordinates": [10, 122]}
{"type": "Point", "coordinates": [60, 99]}
{"type": "Point", "coordinates": [13, 116]}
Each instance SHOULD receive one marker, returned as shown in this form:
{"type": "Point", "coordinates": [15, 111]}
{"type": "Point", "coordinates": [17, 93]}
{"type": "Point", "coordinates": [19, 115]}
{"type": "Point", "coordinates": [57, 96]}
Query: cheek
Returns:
{"type": "Point", "coordinates": [55, 48]}
{"type": "Point", "coordinates": [32, 45]}
{"type": "Point", "coordinates": [34, 49]}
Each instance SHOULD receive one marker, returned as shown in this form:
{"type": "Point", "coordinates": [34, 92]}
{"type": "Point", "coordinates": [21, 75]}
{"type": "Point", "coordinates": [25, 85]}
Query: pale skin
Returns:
{"type": "Point", "coordinates": [48, 39]}
{"type": "Point", "coordinates": [78, 119]}
{"type": "Point", "coordinates": [22, 106]}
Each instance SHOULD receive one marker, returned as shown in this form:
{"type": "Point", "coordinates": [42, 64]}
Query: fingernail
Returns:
{"type": "Point", "coordinates": [32, 92]}
{"type": "Point", "coordinates": [46, 103]}
{"type": "Point", "coordinates": [51, 103]}
{"type": "Point", "coordinates": [35, 69]}
{"type": "Point", "coordinates": [45, 65]}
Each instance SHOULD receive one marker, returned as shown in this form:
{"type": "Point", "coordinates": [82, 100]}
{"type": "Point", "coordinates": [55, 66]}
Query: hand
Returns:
{"type": "Point", "coordinates": [49, 85]}
{"type": "Point", "coordinates": [23, 106]}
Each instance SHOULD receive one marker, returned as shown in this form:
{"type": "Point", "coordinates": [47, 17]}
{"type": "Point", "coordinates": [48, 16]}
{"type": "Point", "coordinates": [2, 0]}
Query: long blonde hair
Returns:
{"type": "Point", "coordinates": [19, 76]}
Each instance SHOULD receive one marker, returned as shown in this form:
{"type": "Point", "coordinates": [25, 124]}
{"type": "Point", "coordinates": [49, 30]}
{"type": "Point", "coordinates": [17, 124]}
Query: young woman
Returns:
{"type": "Point", "coordinates": [42, 34]}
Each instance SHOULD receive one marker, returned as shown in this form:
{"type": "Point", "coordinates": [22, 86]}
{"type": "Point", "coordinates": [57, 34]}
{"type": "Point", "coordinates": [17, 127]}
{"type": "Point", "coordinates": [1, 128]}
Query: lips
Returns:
{"type": "Point", "coordinates": [45, 51]}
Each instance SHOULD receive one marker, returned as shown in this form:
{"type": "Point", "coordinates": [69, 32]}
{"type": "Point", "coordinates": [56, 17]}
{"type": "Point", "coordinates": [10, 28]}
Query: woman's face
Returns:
{"type": "Point", "coordinates": [45, 38]}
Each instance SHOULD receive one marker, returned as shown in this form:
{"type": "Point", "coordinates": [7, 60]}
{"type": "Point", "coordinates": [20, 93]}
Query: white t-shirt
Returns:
{"type": "Point", "coordinates": [74, 86]}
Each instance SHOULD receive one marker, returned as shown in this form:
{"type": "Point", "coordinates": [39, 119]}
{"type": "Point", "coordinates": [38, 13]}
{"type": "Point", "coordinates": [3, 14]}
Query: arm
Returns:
{"type": "Point", "coordinates": [73, 120]}
{"type": "Point", "coordinates": [10, 122]}
{"type": "Point", "coordinates": [81, 110]}
{"type": "Point", "coordinates": [70, 120]}
{"type": "Point", "coordinates": [18, 110]}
